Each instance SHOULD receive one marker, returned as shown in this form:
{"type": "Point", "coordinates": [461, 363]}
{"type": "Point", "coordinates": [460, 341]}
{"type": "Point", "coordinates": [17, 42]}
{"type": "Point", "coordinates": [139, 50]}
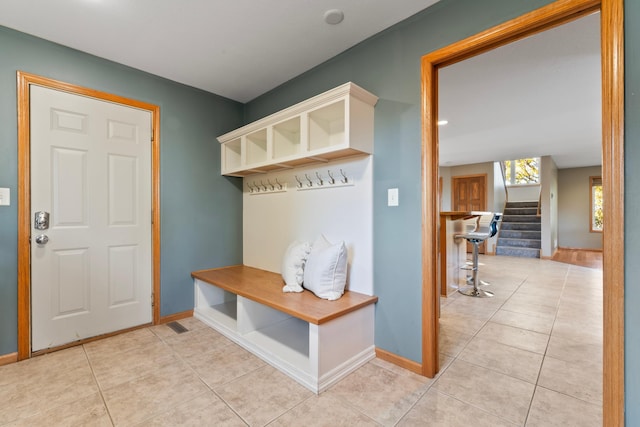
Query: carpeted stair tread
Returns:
{"type": "Point", "coordinates": [518, 252]}
{"type": "Point", "coordinates": [519, 242]}
{"type": "Point", "coordinates": [524, 226]}
{"type": "Point", "coordinates": [520, 234]}
{"type": "Point", "coordinates": [521, 211]}
{"type": "Point", "coordinates": [520, 231]}
{"type": "Point", "coordinates": [530, 204]}
{"type": "Point", "coordinates": [521, 218]}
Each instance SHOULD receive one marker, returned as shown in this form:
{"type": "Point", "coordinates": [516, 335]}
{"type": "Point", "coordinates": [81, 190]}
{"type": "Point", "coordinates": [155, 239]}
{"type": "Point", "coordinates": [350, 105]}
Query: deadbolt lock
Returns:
{"type": "Point", "coordinates": [41, 220]}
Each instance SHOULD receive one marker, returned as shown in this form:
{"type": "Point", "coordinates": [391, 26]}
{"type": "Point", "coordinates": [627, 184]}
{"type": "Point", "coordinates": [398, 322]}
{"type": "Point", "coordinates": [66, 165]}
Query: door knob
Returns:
{"type": "Point", "coordinates": [42, 239]}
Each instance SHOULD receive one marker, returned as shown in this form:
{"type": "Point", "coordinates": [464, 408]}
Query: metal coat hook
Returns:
{"type": "Point", "coordinates": [310, 184]}
{"type": "Point", "coordinates": [320, 181]}
{"type": "Point", "coordinates": [299, 182]}
{"type": "Point", "coordinates": [271, 187]}
{"type": "Point", "coordinates": [279, 185]}
{"type": "Point", "coordinates": [264, 187]}
{"type": "Point", "coordinates": [331, 179]}
{"type": "Point", "coordinates": [345, 180]}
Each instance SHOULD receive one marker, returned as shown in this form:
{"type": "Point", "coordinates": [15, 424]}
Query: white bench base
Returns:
{"type": "Point", "coordinates": [315, 355]}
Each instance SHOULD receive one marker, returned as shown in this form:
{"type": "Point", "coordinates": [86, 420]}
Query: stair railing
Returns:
{"type": "Point", "coordinates": [504, 180]}
{"type": "Point", "coordinates": [540, 204]}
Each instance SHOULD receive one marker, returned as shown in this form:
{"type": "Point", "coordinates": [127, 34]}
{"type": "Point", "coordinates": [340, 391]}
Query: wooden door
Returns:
{"type": "Point", "coordinates": [469, 194]}
{"type": "Point", "coordinates": [91, 265]}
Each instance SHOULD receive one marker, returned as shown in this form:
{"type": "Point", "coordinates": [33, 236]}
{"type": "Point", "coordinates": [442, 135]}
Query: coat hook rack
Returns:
{"type": "Point", "coordinates": [268, 188]}
{"type": "Point", "coordinates": [320, 182]}
{"type": "Point", "coordinates": [312, 180]}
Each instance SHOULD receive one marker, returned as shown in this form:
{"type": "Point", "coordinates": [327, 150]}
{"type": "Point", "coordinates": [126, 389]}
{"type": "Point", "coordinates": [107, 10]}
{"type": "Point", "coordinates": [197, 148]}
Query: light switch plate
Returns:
{"type": "Point", "coordinates": [392, 197]}
{"type": "Point", "coordinates": [5, 196]}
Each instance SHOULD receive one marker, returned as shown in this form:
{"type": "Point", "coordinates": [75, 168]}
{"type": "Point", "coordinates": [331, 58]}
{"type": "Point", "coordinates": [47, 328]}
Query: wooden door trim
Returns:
{"type": "Point", "coordinates": [612, 51]}
{"type": "Point", "coordinates": [24, 81]}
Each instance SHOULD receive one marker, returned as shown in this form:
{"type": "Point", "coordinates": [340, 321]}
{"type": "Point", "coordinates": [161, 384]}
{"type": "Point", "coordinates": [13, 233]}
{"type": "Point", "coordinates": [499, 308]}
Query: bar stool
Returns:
{"type": "Point", "coordinates": [475, 237]}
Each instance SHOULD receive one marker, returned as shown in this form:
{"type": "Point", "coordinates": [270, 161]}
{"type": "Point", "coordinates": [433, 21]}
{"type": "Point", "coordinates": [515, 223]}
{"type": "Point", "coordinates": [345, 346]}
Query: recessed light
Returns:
{"type": "Point", "coordinates": [333, 16]}
{"type": "Point", "coordinates": [442, 122]}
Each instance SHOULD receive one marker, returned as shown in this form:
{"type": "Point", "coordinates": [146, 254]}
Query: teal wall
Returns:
{"type": "Point", "coordinates": [632, 207]}
{"type": "Point", "coordinates": [388, 65]}
{"type": "Point", "coordinates": [201, 211]}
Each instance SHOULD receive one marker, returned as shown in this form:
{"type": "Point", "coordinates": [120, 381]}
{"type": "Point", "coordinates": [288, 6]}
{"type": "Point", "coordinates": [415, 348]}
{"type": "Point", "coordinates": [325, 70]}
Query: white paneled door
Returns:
{"type": "Point", "coordinates": [91, 260]}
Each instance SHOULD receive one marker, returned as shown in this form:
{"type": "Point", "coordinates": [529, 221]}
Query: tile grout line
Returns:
{"type": "Point", "coordinates": [560, 300]}
{"type": "Point", "coordinates": [475, 335]}
{"type": "Point", "coordinates": [489, 320]}
{"type": "Point", "coordinates": [185, 364]}
{"type": "Point", "coordinates": [473, 406]}
{"type": "Point", "coordinates": [136, 378]}
{"type": "Point", "coordinates": [465, 346]}
{"type": "Point", "coordinates": [288, 410]}
{"type": "Point", "coordinates": [95, 378]}
{"type": "Point", "coordinates": [544, 356]}
{"type": "Point", "coordinates": [192, 369]}
{"type": "Point", "coordinates": [172, 351]}
{"type": "Point", "coordinates": [422, 394]}
{"type": "Point", "coordinates": [570, 267]}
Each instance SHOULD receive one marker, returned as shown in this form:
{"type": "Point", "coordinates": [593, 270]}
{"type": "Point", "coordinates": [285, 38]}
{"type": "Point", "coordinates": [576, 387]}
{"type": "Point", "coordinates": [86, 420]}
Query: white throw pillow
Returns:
{"type": "Point", "coordinates": [293, 266]}
{"type": "Point", "coordinates": [325, 273]}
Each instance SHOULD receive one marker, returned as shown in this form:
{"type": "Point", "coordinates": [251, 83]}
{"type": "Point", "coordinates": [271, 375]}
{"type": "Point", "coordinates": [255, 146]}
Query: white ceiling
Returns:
{"type": "Point", "coordinates": [239, 49]}
{"type": "Point", "coordinates": [535, 97]}
{"type": "Point", "coordinates": [538, 96]}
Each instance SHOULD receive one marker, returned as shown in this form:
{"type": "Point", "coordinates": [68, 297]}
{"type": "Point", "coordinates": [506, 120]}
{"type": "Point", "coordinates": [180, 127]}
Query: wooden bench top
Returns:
{"type": "Point", "coordinates": [265, 287]}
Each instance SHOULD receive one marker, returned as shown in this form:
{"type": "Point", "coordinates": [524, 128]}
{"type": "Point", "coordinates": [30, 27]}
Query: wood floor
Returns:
{"type": "Point", "coordinates": [581, 257]}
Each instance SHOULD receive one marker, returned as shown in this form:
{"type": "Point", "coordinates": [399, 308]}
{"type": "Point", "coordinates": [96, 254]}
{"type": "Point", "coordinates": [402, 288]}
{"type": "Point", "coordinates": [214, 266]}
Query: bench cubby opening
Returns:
{"type": "Point", "coordinates": [217, 304]}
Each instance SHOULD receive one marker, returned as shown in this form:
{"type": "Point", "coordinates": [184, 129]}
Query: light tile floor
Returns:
{"type": "Point", "coordinates": [530, 356]}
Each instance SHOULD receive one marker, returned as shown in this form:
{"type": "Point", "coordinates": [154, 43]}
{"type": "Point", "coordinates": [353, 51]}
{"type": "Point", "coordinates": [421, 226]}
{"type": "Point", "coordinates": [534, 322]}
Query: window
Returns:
{"type": "Point", "coordinates": [597, 214]}
{"type": "Point", "coordinates": [522, 171]}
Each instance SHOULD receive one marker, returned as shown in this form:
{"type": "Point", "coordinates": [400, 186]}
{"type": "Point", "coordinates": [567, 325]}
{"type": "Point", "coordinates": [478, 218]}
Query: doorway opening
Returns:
{"type": "Point", "coordinates": [612, 51]}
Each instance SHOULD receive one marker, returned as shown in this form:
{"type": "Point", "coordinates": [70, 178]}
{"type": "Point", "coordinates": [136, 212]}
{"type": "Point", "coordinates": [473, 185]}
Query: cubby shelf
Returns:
{"type": "Point", "coordinates": [333, 125]}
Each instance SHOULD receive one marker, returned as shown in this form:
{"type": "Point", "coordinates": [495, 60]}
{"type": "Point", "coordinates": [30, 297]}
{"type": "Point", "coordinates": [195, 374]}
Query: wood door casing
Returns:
{"type": "Point", "coordinates": [469, 193]}
{"type": "Point", "coordinates": [612, 54]}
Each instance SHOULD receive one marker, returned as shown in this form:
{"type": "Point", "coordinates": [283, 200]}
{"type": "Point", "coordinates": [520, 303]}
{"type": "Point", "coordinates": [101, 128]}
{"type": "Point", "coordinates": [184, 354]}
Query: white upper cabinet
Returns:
{"type": "Point", "coordinates": [332, 125]}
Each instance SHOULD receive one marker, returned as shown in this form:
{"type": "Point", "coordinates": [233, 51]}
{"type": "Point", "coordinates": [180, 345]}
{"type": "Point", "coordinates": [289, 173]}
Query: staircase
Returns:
{"type": "Point", "coordinates": [520, 230]}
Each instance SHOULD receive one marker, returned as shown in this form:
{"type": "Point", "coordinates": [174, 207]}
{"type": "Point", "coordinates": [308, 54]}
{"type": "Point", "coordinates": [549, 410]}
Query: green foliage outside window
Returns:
{"type": "Point", "coordinates": [597, 212]}
{"type": "Point", "coordinates": [522, 171]}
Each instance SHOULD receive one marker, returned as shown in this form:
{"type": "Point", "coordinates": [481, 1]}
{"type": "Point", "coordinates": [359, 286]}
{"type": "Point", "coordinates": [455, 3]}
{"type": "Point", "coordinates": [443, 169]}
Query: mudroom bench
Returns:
{"type": "Point", "coordinates": [314, 341]}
